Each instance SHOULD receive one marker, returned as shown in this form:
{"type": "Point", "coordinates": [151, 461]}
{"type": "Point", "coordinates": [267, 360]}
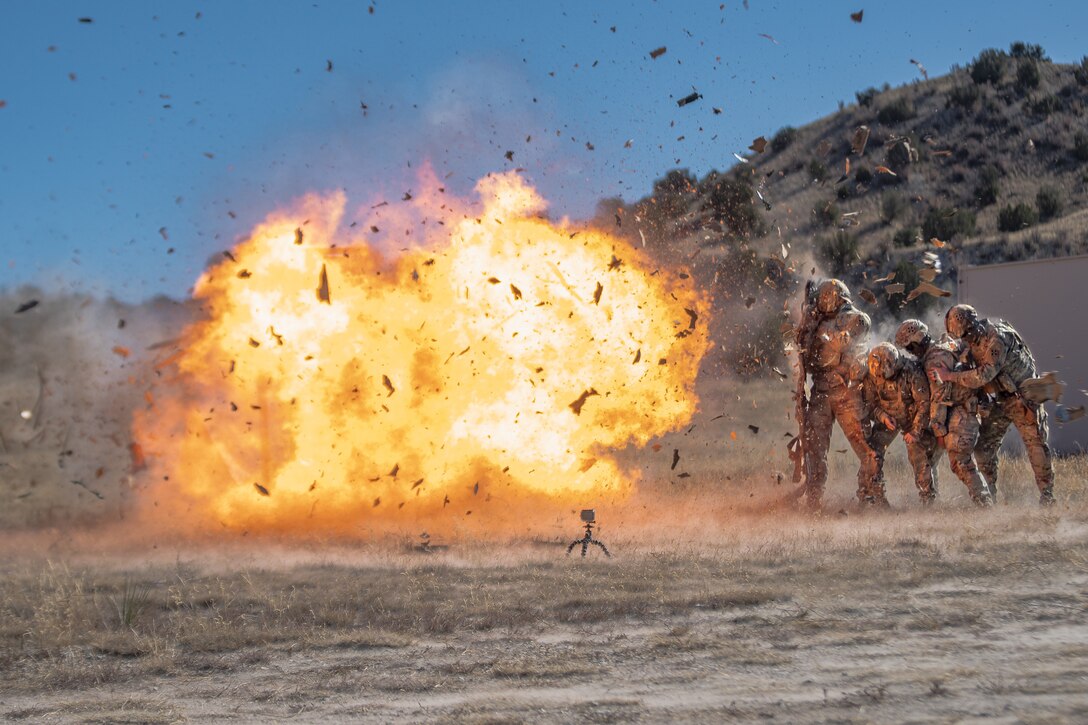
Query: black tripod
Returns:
{"type": "Point", "coordinates": [586, 540]}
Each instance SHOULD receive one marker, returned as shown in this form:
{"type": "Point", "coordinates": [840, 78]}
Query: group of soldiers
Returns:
{"type": "Point", "coordinates": [959, 393]}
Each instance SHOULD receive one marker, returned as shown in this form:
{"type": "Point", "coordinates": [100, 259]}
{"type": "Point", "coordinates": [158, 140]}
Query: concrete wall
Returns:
{"type": "Point", "coordinates": [1047, 302]}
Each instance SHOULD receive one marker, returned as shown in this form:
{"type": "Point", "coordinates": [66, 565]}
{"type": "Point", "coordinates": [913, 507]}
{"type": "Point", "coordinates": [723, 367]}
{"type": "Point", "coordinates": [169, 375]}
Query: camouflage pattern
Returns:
{"type": "Point", "coordinates": [901, 404]}
{"type": "Point", "coordinates": [1001, 363]}
{"type": "Point", "coordinates": [836, 395]}
{"type": "Point", "coordinates": [954, 419]}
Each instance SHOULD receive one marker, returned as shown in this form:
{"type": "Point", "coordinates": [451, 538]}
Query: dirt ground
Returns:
{"type": "Point", "coordinates": [721, 610]}
{"type": "Point", "coordinates": [722, 603]}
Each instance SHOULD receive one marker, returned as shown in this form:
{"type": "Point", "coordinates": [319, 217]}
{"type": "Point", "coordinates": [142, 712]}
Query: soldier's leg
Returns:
{"type": "Point", "coordinates": [961, 441]}
{"type": "Point", "coordinates": [920, 456]}
{"type": "Point", "coordinates": [849, 410]}
{"type": "Point", "coordinates": [934, 451]}
{"type": "Point", "coordinates": [991, 433]}
{"type": "Point", "coordinates": [879, 440]}
{"type": "Point", "coordinates": [817, 441]}
{"type": "Point", "coordinates": [1030, 420]}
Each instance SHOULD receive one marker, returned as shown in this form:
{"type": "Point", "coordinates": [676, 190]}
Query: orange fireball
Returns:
{"type": "Point", "coordinates": [504, 357]}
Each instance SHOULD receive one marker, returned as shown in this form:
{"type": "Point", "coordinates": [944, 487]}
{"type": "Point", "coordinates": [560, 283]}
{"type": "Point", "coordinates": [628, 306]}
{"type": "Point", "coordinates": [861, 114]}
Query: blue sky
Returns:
{"type": "Point", "coordinates": [198, 118]}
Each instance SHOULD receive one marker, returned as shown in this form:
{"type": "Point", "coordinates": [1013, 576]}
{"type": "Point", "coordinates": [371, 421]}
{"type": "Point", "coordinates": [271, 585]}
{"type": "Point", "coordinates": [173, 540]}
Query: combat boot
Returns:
{"type": "Point", "coordinates": [982, 497]}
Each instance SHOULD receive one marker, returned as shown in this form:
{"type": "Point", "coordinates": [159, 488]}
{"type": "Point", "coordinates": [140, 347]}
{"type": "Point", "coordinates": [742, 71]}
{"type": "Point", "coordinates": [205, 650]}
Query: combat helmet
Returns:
{"type": "Point", "coordinates": [831, 295]}
{"type": "Point", "coordinates": [884, 361]}
{"type": "Point", "coordinates": [911, 334]}
{"type": "Point", "coordinates": [960, 319]}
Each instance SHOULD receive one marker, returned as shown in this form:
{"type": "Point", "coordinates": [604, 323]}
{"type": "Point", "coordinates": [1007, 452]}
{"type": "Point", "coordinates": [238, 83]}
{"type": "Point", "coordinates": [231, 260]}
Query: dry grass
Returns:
{"type": "Point", "coordinates": [484, 635]}
{"type": "Point", "coordinates": [721, 604]}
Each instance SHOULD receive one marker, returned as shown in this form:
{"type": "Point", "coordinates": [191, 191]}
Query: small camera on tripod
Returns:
{"type": "Point", "coordinates": [589, 517]}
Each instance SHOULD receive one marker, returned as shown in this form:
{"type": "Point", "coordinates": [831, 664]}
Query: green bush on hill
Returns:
{"type": "Point", "coordinates": [826, 213]}
{"type": "Point", "coordinates": [946, 224]}
{"type": "Point", "coordinates": [1033, 51]}
{"type": "Point", "coordinates": [1080, 146]}
{"type": "Point", "coordinates": [1014, 218]}
{"type": "Point", "coordinates": [1027, 75]}
{"type": "Point", "coordinates": [1049, 203]}
{"type": "Point", "coordinates": [987, 191]}
{"type": "Point", "coordinates": [988, 66]}
{"type": "Point", "coordinates": [898, 111]}
{"type": "Point", "coordinates": [838, 252]}
{"type": "Point", "coordinates": [782, 140]}
{"type": "Point", "coordinates": [1080, 72]}
{"type": "Point", "coordinates": [866, 97]}
{"type": "Point", "coordinates": [817, 171]}
{"type": "Point", "coordinates": [905, 237]}
{"type": "Point", "coordinates": [892, 206]}
{"type": "Point", "coordinates": [963, 96]}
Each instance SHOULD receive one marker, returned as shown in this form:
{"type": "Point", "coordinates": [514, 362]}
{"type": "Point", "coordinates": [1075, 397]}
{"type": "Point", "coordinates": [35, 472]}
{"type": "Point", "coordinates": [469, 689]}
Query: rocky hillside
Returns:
{"type": "Point", "coordinates": [986, 164]}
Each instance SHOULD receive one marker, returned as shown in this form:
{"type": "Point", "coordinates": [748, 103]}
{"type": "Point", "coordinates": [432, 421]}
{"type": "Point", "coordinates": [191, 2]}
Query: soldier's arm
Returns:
{"type": "Point", "coordinates": [920, 392]}
{"type": "Point", "coordinates": [987, 365]}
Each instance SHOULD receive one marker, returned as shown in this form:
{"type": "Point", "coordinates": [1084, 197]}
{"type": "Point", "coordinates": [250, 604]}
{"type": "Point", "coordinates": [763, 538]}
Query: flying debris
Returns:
{"type": "Point", "coordinates": [28, 305]}
{"type": "Point", "coordinates": [867, 295]}
{"type": "Point", "coordinates": [769, 37]}
{"type": "Point", "coordinates": [323, 287]}
{"type": "Point", "coordinates": [576, 406]}
{"type": "Point", "coordinates": [657, 52]}
{"type": "Point", "coordinates": [675, 458]}
{"type": "Point", "coordinates": [856, 17]}
{"type": "Point", "coordinates": [921, 69]}
{"type": "Point", "coordinates": [740, 158]}
{"type": "Point", "coordinates": [1043, 388]}
{"type": "Point", "coordinates": [759, 145]}
{"type": "Point", "coordinates": [1068, 415]}
{"type": "Point", "coordinates": [885, 170]}
{"type": "Point", "coordinates": [261, 489]}
{"type": "Point", "coordinates": [690, 98]}
{"type": "Point", "coordinates": [860, 139]}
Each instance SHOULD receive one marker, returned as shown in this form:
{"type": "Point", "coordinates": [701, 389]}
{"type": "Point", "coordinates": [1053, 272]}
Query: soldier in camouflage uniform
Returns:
{"type": "Point", "coordinates": [953, 409]}
{"type": "Point", "coordinates": [831, 357]}
{"type": "Point", "coordinates": [1002, 362]}
{"type": "Point", "coordinates": [897, 390]}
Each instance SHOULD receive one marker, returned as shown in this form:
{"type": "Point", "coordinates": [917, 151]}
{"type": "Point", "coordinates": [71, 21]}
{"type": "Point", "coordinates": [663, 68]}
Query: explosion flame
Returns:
{"type": "Point", "coordinates": [500, 360]}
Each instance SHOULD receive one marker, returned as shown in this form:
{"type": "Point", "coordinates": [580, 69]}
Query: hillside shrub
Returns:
{"type": "Point", "coordinates": [863, 175]}
{"type": "Point", "coordinates": [1034, 51]}
{"type": "Point", "coordinates": [1049, 203]}
{"type": "Point", "coordinates": [1046, 105]}
{"type": "Point", "coordinates": [1027, 75]}
{"type": "Point", "coordinates": [1080, 146]}
{"type": "Point", "coordinates": [866, 97]}
{"type": "Point", "coordinates": [826, 213]}
{"type": "Point", "coordinates": [897, 111]}
{"type": "Point", "coordinates": [817, 171]}
{"type": "Point", "coordinates": [838, 252]}
{"type": "Point", "coordinates": [782, 140]}
{"type": "Point", "coordinates": [844, 191]}
{"type": "Point", "coordinates": [730, 204]}
{"type": "Point", "coordinates": [1014, 218]}
{"type": "Point", "coordinates": [1080, 72]}
{"type": "Point", "coordinates": [988, 66]}
{"type": "Point", "coordinates": [963, 96]}
{"type": "Point", "coordinates": [905, 237]}
{"type": "Point", "coordinates": [892, 206]}
{"type": "Point", "coordinates": [988, 188]}
{"type": "Point", "coordinates": [946, 224]}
